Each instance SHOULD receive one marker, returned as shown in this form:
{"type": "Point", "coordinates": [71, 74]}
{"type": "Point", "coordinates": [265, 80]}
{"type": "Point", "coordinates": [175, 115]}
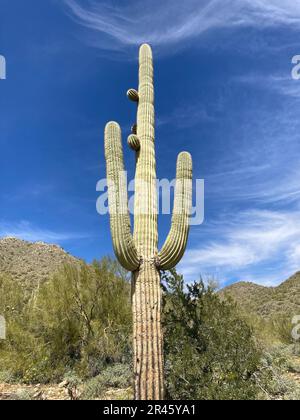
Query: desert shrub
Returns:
{"type": "Point", "coordinates": [282, 327]}
{"type": "Point", "coordinates": [295, 349]}
{"type": "Point", "coordinates": [23, 395]}
{"type": "Point", "coordinates": [72, 382]}
{"type": "Point", "coordinates": [77, 326]}
{"type": "Point", "coordinates": [11, 297]}
{"type": "Point", "coordinates": [271, 331]}
{"type": "Point", "coordinates": [274, 379]}
{"type": "Point", "coordinates": [115, 376]}
{"type": "Point", "coordinates": [210, 352]}
{"type": "Point", "coordinates": [6, 376]}
{"type": "Point", "coordinates": [79, 320]}
{"type": "Point", "coordinates": [263, 328]}
{"type": "Point", "coordinates": [13, 350]}
{"type": "Point", "coordinates": [85, 315]}
{"type": "Point", "coordinates": [72, 379]}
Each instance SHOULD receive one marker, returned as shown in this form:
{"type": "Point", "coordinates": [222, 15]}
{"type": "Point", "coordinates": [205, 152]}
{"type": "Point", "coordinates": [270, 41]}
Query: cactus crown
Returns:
{"type": "Point", "coordinates": [130, 249]}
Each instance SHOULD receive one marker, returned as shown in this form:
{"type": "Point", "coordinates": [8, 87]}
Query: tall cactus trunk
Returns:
{"type": "Point", "coordinates": [138, 253]}
{"type": "Point", "coordinates": [147, 334]}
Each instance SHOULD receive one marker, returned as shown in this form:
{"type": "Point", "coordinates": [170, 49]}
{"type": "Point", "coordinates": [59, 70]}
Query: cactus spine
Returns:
{"type": "Point", "coordinates": [139, 253]}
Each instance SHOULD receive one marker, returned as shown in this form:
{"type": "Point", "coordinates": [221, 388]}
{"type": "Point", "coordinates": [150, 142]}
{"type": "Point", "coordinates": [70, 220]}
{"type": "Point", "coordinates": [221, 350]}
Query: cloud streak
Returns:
{"type": "Point", "coordinates": [29, 232]}
{"type": "Point", "coordinates": [161, 24]}
{"type": "Point", "coordinates": [281, 84]}
{"type": "Point", "coordinates": [263, 148]}
{"type": "Point", "coordinates": [252, 241]}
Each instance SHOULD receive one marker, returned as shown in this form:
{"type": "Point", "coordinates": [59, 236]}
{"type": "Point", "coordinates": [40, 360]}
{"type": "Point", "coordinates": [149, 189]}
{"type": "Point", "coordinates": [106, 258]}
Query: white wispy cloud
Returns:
{"type": "Point", "coordinates": [274, 12]}
{"type": "Point", "coordinates": [29, 232]}
{"type": "Point", "coordinates": [162, 23]}
{"type": "Point", "coordinates": [261, 165]}
{"type": "Point", "coordinates": [248, 243]}
{"type": "Point", "coordinates": [282, 84]}
{"type": "Point", "coordinates": [260, 184]}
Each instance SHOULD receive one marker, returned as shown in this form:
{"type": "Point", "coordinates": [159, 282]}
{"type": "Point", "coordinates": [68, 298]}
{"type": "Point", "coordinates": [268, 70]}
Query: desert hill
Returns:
{"type": "Point", "coordinates": [31, 262]}
{"type": "Point", "coordinates": [267, 301]}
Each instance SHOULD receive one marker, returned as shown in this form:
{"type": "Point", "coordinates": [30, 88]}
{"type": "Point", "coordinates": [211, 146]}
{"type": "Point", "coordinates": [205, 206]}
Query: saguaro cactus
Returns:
{"type": "Point", "coordinates": [139, 253]}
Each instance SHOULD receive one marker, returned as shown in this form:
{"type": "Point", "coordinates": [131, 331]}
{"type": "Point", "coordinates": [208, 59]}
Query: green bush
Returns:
{"type": "Point", "coordinates": [7, 377]}
{"type": "Point", "coordinates": [282, 326]}
{"type": "Point", "coordinates": [273, 378]}
{"type": "Point", "coordinates": [80, 320]}
{"type": "Point", "coordinates": [271, 331]}
{"type": "Point", "coordinates": [116, 376]}
{"type": "Point", "coordinates": [78, 326]}
{"type": "Point", "coordinates": [210, 353]}
{"type": "Point", "coordinates": [23, 395]}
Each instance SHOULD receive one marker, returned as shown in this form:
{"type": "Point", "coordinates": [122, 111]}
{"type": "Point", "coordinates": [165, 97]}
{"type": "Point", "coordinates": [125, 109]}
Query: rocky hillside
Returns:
{"type": "Point", "coordinates": [31, 263]}
{"type": "Point", "coordinates": [267, 301]}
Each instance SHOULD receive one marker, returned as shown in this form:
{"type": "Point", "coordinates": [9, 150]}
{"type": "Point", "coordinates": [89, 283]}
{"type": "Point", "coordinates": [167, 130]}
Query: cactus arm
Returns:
{"type": "Point", "coordinates": [174, 247]}
{"type": "Point", "coordinates": [123, 243]}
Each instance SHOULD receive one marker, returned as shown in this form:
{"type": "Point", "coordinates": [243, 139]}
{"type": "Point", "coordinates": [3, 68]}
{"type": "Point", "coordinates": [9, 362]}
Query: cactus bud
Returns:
{"type": "Point", "coordinates": [133, 142]}
{"type": "Point", "coordinates": [133, 95]}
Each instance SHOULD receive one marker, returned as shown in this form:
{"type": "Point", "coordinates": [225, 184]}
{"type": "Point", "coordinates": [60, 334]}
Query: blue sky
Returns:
{"type": "Point", "coordinates": [224, 92]}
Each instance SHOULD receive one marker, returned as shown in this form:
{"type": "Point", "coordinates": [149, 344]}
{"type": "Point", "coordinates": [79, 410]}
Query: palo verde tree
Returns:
{"type": "Point", "coordinates": [139, 253]}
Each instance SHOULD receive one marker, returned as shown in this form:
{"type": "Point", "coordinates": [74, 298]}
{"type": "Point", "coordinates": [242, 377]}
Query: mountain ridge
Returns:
{"type": "Point", "coordinates": [267, 301]}
{"type": "Point", "coordinates": [31, 263]}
